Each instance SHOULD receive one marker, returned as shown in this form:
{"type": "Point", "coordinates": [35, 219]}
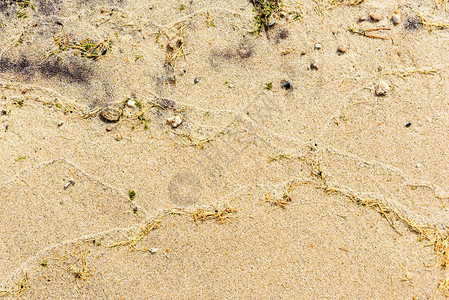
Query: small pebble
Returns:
{"type": "Point", "coordinates": [418, 165]}
{"type": "Point", "coordinates": [69, 183]}
{"type": "Point", "coordinates": [342, 48]}
{"type": "Point", "coordinates": [396, 19]}
{"type": "Point", "coordinates": [118, 137]}
{"type": "Point", "coordinates": [286, 84]}
{"type": "Point", "coordinates": [109, 128]}
{"type": "Point", "coordinates": [131, 103]}
{"type": "Point", "coordinates": [375, 16]}
{"type": "Point", "coordinates": [111, 113]}
{"type": "Point", "coordinates": [272, 23]}
{"type": "Point", "coordinates": [174, 121]}
{"type": "Point", "coordinates": [318, 46]}
{"type": "Point", "coordinates": [362, 18]}
{"type": "Point", "coordinates": [60, 123]}
{"type": "Point", "coordinates": [196, 80]}
{"type": "Point", "coordinates": [314, 65]}
{"type": "Point", "coordinates": [382, 88]}
{"type": "Point", "coordinates": [153, 250]}
{"type": "Point", "coordinates": [4, 112]}
{"type": "Point", "coordinates": [408, 124]}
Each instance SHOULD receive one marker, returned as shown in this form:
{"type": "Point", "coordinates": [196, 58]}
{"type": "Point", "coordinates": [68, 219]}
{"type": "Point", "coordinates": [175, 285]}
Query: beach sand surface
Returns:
{"type": "Point", "coordinates": [319, 188]}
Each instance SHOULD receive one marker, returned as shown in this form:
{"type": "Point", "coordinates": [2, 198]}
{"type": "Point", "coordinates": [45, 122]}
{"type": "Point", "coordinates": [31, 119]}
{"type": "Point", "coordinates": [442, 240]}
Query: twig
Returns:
{"type": "Point", "coordinates": [365, 32]}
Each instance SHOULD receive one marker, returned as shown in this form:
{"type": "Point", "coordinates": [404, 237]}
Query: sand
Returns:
{"type": "Point", "coordinates": [320, 189]}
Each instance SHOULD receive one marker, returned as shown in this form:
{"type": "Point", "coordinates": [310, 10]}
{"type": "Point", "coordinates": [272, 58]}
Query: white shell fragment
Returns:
{"type": "Point", "coordinates": [174, 121]}
{"type": "Point", "coordinates": [69, 183]}
{"type": "Point", "coordinates": [318, 46]}
{"type": "Point", "coordinates": [153, 250]}
{"type": "Point", "coordinates": [131, 103]}
{"type": "Point", "coordinates": [396, 19]}
{"type": "Point", "coordinates": [382, 88]}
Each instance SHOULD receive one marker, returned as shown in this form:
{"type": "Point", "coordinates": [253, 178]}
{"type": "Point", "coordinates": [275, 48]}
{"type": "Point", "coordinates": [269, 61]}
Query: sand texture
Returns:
{"type": "Point", "coordinates": [169, 150]}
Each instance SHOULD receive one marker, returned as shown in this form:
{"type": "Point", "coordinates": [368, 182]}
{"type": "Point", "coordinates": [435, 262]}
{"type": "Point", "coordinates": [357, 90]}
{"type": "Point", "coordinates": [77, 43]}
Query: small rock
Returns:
{"type": "Point", "coordinates": [408, 124]}
{"type": "Point", "coordinates": [396, 19]}
{"type": "Point", "coordinates": [60, 123]}
{"type": "Point", "coordinates": [272, 23]}
{"type": "Point", "coordinates": [342, 48]}
{"type": "Point", "coordinates": [362, 18]}
{"type": "Point", "coordinates": [318, 46]}
{"type": "Point", "coordinates": [382, 88]}
{"type": "Point", "coordinates": [418, 165]}
{"type": "Point", "coordinates": [314, 65]}
{"type": "Point", "coordinates": [153, 250]}
{"type": "Point", "coordinates": [4, 112]}
{"type": "Point", "coordinates": [286, 84]}
{"type": "Point", "coordinates": [375, 16]}
{"type": "Point", "coordinates": [111, 113]}
{"type": "Point", "coordinates": [196, 80]}
{"type": "Point", "coordinates": [174, 121]}
{"type": "Point", "coordinates": [69, 183]}
{"type": "Point", "coordinates": [131, 103]}
{"type": "Point", "coordinates": [109, 128]}
{"type": "Point", "coordinates": [118, 136]}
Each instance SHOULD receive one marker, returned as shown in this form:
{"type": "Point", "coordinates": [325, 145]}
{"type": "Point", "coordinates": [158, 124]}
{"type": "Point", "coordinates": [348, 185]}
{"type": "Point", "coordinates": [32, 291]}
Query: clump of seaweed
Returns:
{"type": "Point", "coordinates": [266, 10]}
{"type": "Point", "coordinates": [431, 24]}
{"type": "Point", "coordinates": [279, 202]}
{"type": "Point", "coordinates": [86, 48]}
{"type": "Point", "coordinates": [21, 287]}
{"type": "Point", "coordinates": [80, 269]}
{"type": "Point", "coordinates": [138, 235]}
{"type": "Point", "coordinates": [21, 3]}
{"type": "Point", "coordinates": [269, 11]}
{"type": "Point", "coordinates": [219, 215]}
